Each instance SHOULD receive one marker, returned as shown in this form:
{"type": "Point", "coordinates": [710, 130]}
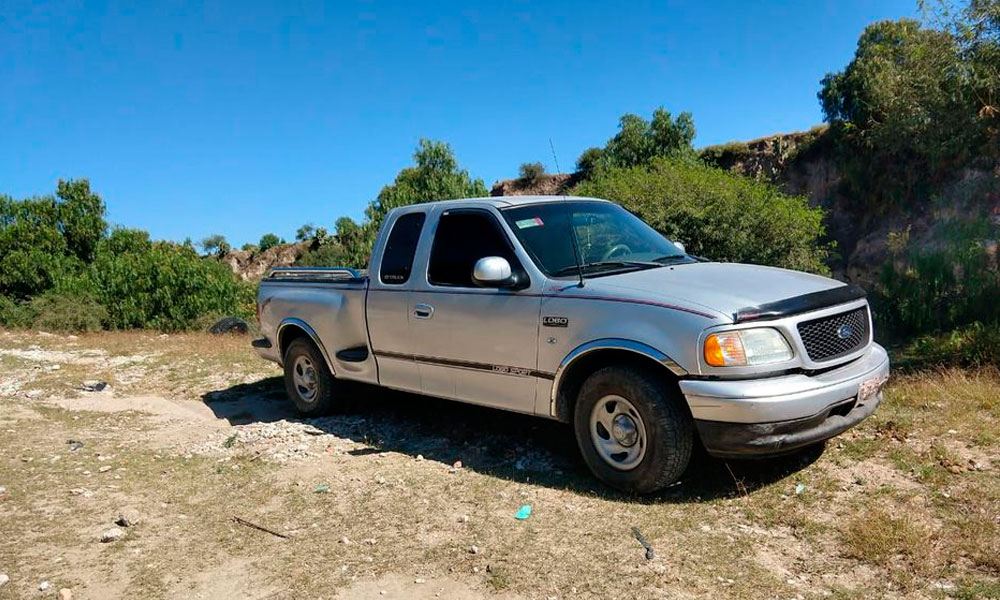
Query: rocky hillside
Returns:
{"type": "Point", "coordinates": [802, 163]}
{"type": "Point", "coordinates": [546, 185]}
{"type": "Point", "coordinates": [251, 266]}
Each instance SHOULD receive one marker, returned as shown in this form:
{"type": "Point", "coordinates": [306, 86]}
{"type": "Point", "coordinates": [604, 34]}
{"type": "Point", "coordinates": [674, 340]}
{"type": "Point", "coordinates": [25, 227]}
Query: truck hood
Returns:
{"type": "Point", "coordinates": [722, 287]}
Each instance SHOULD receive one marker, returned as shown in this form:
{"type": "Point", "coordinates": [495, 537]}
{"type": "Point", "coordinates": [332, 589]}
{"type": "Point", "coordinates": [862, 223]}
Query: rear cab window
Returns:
{"type": "Point", "coordinates": [400, 248]}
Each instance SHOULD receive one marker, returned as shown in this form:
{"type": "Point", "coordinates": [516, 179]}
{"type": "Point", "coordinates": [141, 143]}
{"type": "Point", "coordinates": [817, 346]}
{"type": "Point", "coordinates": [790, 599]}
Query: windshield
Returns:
{"type": "Point", "coordinates": [610, 237]}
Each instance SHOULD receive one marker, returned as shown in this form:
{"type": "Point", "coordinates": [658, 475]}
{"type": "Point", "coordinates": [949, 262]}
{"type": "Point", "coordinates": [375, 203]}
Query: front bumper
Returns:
{"type": "Point", "coordinates": [772, 416]}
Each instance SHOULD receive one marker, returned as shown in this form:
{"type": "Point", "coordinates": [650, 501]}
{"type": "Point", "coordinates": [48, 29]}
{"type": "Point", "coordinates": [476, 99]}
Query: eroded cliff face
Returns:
{"type": "Point", "coordinates": [251, 266]}
{"type": "Point", "coordinates": [803, 163]}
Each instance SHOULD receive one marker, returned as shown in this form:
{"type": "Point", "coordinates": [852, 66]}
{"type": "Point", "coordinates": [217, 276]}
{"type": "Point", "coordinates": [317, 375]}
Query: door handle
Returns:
{"type": "Point", "coordinates": [423, 311]}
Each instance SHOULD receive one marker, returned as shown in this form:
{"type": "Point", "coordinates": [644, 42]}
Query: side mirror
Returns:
{"type": "Point", "coordinates": [680, 246]}
{"type": "Point", "coordinates": [493, 271]}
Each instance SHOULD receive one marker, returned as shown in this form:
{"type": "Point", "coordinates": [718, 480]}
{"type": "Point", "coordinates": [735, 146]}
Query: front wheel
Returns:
{"type": "Point", "coordinates": [633, 429]}
{"type": "Point", "coordinates": [308, 381]}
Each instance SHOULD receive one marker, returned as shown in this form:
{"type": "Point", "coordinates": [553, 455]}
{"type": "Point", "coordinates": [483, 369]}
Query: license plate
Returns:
{"type": "Point", "coordinates": [870, 387]}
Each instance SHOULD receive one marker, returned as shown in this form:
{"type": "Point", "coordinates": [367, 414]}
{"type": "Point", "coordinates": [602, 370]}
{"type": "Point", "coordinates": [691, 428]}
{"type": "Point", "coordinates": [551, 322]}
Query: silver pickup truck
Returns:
{"type": "Point", "coordinates": [576, 310]}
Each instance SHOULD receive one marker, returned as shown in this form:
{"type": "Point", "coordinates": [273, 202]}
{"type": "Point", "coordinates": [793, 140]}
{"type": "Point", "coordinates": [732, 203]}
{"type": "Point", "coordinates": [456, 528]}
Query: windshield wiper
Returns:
{"type": "Point", "coordinates": [669, 257]}
{"type": "Point", "coordinates": [607, 263]}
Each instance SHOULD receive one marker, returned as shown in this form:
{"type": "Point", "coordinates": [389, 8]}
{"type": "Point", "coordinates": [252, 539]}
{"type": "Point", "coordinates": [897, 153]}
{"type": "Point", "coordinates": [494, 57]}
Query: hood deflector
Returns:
{"type": "Point", "coordinates": [799, 304]}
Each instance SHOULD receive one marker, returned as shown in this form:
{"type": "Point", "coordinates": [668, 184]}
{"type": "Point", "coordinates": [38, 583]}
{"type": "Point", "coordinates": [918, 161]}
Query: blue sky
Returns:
{"type": "Point", "coordinates": [247, 117]}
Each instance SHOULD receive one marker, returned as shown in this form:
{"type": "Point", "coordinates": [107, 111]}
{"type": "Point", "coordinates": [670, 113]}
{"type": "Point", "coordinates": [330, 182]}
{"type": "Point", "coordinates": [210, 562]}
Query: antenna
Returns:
{"type": "Point", "coordinates": [569, 221]}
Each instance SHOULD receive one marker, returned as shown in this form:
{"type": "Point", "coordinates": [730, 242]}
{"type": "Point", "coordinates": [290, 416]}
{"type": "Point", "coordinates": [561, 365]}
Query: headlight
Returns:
{"type": "Point", "coordinates": [744, 347]}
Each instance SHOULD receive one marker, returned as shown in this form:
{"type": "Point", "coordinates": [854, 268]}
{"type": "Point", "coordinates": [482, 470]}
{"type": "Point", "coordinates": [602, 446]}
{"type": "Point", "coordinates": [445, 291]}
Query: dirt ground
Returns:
{"type": "Point", "coordinates": [191, 444]}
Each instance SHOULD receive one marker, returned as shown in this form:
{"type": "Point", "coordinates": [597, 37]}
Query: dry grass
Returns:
{"type": "Point", "coordinates": [907, 505]}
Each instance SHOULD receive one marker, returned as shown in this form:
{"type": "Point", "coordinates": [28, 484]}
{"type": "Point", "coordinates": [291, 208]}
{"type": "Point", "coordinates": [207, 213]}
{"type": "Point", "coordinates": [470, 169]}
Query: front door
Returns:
{"type": "Point", "coordinates": [473, 344]}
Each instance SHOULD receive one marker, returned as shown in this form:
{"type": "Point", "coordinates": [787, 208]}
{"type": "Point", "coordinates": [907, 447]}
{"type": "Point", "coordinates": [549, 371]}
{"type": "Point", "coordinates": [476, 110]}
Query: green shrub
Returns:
{"type": "Point", "coordinates": [531, 171]}
{"type": "Point", "coordinates": [14, 314]}
{"type": "Point", "coordinates": [160, 285]}
{"type": "Point", "coordinates": [45, 239]}
{"type": "Point", "coordinates": [589, 160]}
{"type": "Point", "coordinates": [973, 345]}
{"type": "Point", "coordinates": [269, 240]}
{"type": "Point", "coordinates": [948, 286]}
{"type": "Point", "coordinates": [67, 313]}
{"type": "Point", "coordinates": [329, 254]}
{"type": "Point", "coordinates": [719, 215]}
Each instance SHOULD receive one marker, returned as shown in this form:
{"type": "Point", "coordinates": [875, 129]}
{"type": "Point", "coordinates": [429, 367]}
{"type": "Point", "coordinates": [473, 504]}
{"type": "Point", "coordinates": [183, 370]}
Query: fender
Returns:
{"type": "Point", "coordinates": [312, 335]}
{"type": "Point", "coordinates": [608, 344]}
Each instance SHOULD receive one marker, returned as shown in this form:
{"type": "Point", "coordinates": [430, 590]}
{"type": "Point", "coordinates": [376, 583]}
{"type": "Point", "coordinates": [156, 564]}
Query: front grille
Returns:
{"type": "Point", "coordinates": [830, 337]}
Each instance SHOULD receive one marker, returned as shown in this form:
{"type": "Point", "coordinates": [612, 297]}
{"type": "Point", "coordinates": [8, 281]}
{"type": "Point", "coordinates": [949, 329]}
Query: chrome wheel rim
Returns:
{"type": "Point", "coordinates": [304, 377]}
{"type": "Point", "coordinates": [618, 432]}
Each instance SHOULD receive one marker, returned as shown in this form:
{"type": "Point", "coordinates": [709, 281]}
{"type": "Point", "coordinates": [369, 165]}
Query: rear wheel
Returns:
{"type": "Point", "coordinates": [308, 381]}
{"type": "Point", "coordinates": [633, 429]}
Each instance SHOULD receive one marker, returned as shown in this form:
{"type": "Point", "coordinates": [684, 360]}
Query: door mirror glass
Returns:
{"type": "Point", "coordinates": [493, 271]}
{"type": "Point", "coordinates": [680, 246]}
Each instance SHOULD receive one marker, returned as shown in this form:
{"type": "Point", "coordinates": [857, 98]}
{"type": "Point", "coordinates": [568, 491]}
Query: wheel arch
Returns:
{"type": "Point", "coordinates": [588, 357]}
{"type": "Point", "coordinates": [291, 329]}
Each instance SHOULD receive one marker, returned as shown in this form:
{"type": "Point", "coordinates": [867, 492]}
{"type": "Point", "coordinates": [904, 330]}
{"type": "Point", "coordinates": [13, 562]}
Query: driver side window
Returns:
{"type": "Point", "coordinates": [461, 239]}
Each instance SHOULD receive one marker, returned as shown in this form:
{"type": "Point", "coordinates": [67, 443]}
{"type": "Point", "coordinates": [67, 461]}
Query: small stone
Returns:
{"type": "Point", "coordinates": [345, 540]}
{"type": "Point", "coordinates": [463, 519]}
{"type": "Point", "coordinates": [420, 457]}
{"type": "Point", "coordinates": [78, 491]}
{"type": "Point", "coordinates": [371, 541]}
{"type": "Point", "coordinates": [706, 528]}
{"type": "Point", "coordinates": [380, 480]}
{"type": "Point", "coordinates": [127, 519]}
{"type": "Point", "coordinates": [104, 469]}
{"type": "Point", "coordinates": [457, 465]}
{"type": "Point", "coordinates": [475, 569]}
{"type": "Point", "coordinates": [112, 535]}
{"type": "Point", "coordinates": [419, 580]}
{"type": "Point", "coordinates": [3, 579]}
{"type": "Point", "coordinates": [43, 586]}
{"type": "Point", "coordinates": [65, 594]}
{"type": "Point", "coordinates": [474, 550]}
{"type": "Point", "coordinates": [93, 385]}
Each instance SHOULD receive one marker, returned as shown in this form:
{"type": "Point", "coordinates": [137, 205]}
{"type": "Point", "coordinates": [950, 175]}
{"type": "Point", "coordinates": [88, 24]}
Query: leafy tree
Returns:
{"type": "Point", "coordinates": [81, 213]}
{"type": "Point", "coordinates": [589, 160]}
{"type": "Point", "coordinates": [305, 232]}
{"type": "Point", "coordinates": [160, 285]}
{"type": "Point", "coordinates": [914, 105]}
{"type": "Point", "coordinates": [531, 172]}
{"type": "Point", "coordinates": [251, 248]}
{"type": "Point", "coordinates": [639, 141]}
{"type": "Point", "coordinates": [269, 240]}
{"type": "Point", "coordinates": [435, 176]}
{"type": "Point", "coordinates": [717, 214]}
{"type": "Point", "coordinates": [46, 238]}
{"type": "Point", "coordinates": [216, 244]}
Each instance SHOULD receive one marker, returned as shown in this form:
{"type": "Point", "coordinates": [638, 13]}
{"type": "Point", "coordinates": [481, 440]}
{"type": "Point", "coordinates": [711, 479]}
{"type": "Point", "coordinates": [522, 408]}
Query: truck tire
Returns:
{"type": "Point", "coordinates": [634, 430]}
{"type": "Point", "coordinates": [308, 381]}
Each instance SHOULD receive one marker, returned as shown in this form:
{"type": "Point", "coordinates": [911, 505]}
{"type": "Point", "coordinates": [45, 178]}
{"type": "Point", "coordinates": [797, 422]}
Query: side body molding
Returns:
{"type": "Point", "coordinates": [608, 344]}
{"type": "Point", "coordinates": [310, 332]}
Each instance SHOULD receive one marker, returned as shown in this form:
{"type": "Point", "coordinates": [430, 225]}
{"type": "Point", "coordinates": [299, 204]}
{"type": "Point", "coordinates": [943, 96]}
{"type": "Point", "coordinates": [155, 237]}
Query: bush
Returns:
{"type": "Point", "coordinates": [14, 314]}
{"type": "Point", "coordinates": [531, 172]}
{"type": "Point", "coordinates": [639, 141]}
{"type": "Point", "coordinates": [589, 160]}
{"type": "Point", "coordinates": [269, 240]}
{"type": "Point", "coordinates": [45, 239]}
{"type": "Point", "coordinates": [953, 284]}
{"type": "Point", "coordinates": [973, 345]}
{"type": "Point", "coordinates": [67, 313]}
{"type": "Point", "coordinates": [717, 214]}
{"type": "Point", "coordinates": [160, 285]}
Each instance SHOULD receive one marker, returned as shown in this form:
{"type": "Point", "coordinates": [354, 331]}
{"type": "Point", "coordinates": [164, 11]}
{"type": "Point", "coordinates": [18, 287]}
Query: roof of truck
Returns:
{"type": "Point", "coordinates": [509, 201]}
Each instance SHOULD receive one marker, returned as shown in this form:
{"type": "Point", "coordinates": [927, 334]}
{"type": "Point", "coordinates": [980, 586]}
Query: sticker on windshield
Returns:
{"type": "Point", "coordinates": [526, 223]}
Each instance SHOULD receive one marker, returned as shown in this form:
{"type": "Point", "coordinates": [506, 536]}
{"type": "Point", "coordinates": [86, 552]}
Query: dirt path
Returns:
{"type": "Point", "coordinates": [191, 431]}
